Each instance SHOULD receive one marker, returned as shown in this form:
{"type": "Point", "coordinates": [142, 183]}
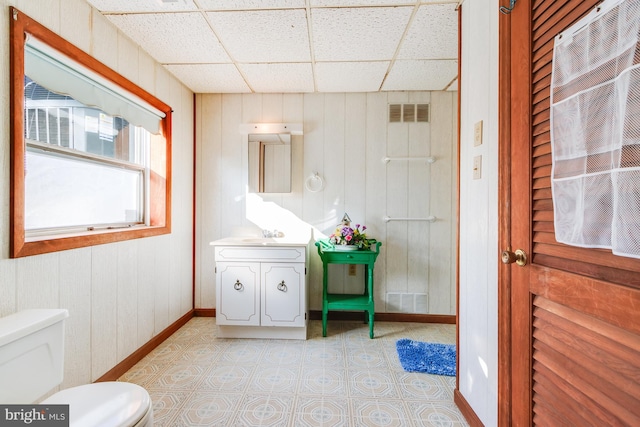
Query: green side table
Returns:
{"type": "Point", "coordinates": [330, 255]}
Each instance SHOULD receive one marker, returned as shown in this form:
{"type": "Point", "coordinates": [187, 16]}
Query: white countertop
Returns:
{"type": "Point", "coordinates": [260, 241]}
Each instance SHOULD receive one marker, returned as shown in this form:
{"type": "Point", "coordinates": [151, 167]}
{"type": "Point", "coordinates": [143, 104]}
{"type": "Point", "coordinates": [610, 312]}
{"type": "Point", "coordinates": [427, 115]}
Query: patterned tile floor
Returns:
{"type": "Point", "coordinates": [345, 379]}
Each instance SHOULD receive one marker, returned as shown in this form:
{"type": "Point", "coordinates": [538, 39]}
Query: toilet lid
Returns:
{"type": "Point", "coordinates": [104, 404]}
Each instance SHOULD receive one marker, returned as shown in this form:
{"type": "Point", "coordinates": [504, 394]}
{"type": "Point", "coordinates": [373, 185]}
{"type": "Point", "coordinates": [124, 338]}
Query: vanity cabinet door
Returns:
{"type": "Point", "coordinates": [283, 294]}
{"type": "Point", "coordinates": [238, 293]}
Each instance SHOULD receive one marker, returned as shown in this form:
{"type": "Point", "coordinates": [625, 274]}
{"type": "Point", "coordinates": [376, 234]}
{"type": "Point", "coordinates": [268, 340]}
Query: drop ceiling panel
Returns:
{"type": "Point", "coordinates": [250, 4]}
{"type": "Point", "coordinates": [433, 34]}
{"type": "Point", "coordinates": [128, 6]}
{"type": "Point", "coordinates": [358, 34]}
{"type": "Point", "coordinates": [270, 46]}
{"type": "Point", "coordinates": [343, 3]}
{"type": "Point", "coordinates": [278, 77]}
{"type": "Point", "coordinates": [173, 38]}
{"type": "Point", "coordinates": [210, 78]}
{"type": "Point", "coordinates": [263, 36]}
{"type": "Point", "coordinates": [421, 75]}
{"type": "Point", "coordinates": [350, 76]}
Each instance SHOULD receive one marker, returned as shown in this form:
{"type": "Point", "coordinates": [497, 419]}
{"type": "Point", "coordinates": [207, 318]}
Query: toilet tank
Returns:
{"type": "Point", "coordinates": [31, 354]}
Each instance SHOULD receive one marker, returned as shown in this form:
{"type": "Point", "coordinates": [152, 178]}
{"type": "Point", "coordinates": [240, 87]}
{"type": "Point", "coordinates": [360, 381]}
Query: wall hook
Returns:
{"type": "Point", "coordinates": [507, 10]}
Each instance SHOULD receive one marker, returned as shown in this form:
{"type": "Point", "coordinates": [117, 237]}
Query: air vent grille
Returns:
{"type": "Point", "coordinates": [395, 113]}
{"type": "Point", "coordinates": [422, 113]}
{"type": "Point", "coordinates": [408, 113]}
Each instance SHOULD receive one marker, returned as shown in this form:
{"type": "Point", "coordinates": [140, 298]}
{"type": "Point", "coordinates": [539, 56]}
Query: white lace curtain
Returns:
{"type": "Point", "coordinates": [595, 130]}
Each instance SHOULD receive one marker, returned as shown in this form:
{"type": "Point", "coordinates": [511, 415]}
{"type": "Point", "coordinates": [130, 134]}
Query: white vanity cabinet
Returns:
{"type": "Point", "coordinates": [261, 291]}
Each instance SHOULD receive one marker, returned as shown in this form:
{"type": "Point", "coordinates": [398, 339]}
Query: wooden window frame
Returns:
{"type": "Point", "coordinates": [160, 159]}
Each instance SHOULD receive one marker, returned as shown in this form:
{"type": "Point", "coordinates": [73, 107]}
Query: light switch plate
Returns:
{"type": "Point", "coordinates": [477, 167]}
{"type": "Point", "coordinates": [477, 134]}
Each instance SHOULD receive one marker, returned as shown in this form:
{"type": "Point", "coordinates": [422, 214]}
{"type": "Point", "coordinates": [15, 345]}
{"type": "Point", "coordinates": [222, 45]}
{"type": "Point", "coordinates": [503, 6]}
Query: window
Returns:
{"type": "Point", "coordinates": [91, 151]}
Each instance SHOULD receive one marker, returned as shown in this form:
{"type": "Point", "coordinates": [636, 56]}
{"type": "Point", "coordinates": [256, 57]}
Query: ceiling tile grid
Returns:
{"type": "Point", "coordinates": [251, 4]}
{"type": "Point", "coordinates": [176, 38]}
{"type": "Point", "coordinates": [277, 46]}
{"type": "Point", "coordinates": [421, 75]}
{"type": "Point", "coordinates": [358, 34]}
{"type": "Point", "coordinates": [264, 36]}
{"type": "Point", "coordinates": [279, 78]}
{"type": "Point", "coordinates": [350, 76]}
{"type": "Point", "coordinates": [137, 6]}
{"type": "Point", "coordinates": [433, 34]}
{"type": "Point", "coordinates": [210, 78]}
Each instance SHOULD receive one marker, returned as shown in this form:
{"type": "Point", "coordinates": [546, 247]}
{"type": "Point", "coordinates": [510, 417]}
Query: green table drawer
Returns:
{"type": "Point", "coordinates": [349, 257]}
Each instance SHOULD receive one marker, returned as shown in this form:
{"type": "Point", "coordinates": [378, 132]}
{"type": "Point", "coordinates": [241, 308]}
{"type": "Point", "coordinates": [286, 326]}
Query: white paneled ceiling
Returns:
{"type": "Point", "coordinates": [280, 46]}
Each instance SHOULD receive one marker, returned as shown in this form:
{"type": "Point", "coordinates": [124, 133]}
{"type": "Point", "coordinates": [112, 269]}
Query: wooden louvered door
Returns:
{"type": "Point", "coordinates": [570, 318]}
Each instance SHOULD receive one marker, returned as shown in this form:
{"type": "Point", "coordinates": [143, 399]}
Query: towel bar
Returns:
{"type": "Point", "coordinates": [427, 159]}
{"type": "Point", "coordinates": [428, 219]}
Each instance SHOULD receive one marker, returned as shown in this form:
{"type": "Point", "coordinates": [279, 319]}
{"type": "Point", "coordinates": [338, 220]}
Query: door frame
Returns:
{"type": "Point", "coordinates": [514, 215]}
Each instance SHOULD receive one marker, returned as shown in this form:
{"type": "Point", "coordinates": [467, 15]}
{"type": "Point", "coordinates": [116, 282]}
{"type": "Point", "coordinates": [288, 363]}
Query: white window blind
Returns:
{"type": "Point", "coordinates": [62, 75]}
{"type": "Point", "coordinates": [595, 130]}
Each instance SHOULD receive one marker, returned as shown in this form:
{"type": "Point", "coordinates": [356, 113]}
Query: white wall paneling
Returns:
{"type": "Point", "coordinates": [376, 186]}
{"type": "Point", "coordinates": [346, 136]}
{"type": "Point", "coordinates": [208, 211]}
{"type": "Point", "coordinates": [127, 296]}
{"type": "Point", "coordinates": [75, 296]}
{"type": "Point", "coordinates": [314, 203]}
{"type": "Point", "coordinates": [104, 302]}
{"type": "Point", "coordinates": [119, 295]}
{"type": "Point", "coordinates": [478, 323]}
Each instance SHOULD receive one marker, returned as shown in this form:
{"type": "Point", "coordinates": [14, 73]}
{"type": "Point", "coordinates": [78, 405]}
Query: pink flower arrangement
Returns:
{"type": "Point", "coordinates": [347, 235]}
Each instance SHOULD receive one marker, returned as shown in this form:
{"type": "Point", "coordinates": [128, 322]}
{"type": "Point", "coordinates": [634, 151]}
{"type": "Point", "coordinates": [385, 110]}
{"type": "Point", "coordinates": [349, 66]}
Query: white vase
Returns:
{"type": "Point", "coordinates": [346, 247]}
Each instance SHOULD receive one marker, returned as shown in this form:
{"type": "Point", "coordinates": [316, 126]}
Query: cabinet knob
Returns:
{"type": "Point", "coordinates": [282, 287]}
{"type": "Point", "coordinates": [238, 286]}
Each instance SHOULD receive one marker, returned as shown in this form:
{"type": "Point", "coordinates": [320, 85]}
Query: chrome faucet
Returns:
{"type": "Point", "coordinates": [274, 233]}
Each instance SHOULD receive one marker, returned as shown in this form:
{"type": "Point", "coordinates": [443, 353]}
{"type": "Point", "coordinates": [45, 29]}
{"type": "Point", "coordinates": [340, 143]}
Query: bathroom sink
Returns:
{"type": "Point", "coordinates": [260, 240]}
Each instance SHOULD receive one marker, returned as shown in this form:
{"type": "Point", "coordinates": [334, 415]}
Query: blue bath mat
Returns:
{"type": "Point", "coordinates": [432, 358]}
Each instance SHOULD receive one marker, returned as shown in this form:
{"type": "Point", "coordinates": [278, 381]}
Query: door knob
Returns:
{"type": "Point", "coordinates": [519, 257]}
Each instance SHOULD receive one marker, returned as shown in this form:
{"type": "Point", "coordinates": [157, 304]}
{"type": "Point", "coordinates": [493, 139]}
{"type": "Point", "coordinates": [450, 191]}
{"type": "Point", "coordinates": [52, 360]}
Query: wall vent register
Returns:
{"type": "Point", "coordinates": [408, 113]}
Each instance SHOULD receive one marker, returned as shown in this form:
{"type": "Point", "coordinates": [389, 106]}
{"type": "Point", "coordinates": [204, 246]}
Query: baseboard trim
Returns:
{"type": "Point", "coordinates": [204, 312]}
{"type": "Point", "coordinates": [467, 411]}
{"type": "Point", "coordinates": [386, 317]}
{"type": "Point", "coordinates": [121, 368]}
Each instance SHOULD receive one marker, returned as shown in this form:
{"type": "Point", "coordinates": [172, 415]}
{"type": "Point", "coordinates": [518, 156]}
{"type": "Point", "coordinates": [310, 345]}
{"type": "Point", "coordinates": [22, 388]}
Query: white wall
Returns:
{"type": "Point", "coordinates": [479, 210]}
{"type": "Point", "coordinates": [346, 136]}
{"type": "Point", "coordinates": [119, 295]}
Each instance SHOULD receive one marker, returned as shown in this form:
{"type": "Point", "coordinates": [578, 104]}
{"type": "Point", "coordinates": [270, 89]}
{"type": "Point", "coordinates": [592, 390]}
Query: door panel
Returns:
{"type": "Point", "coordinates": [283, 294]}
{"type": "Point", "coordinates": [572, 348]}
{"type": "Point", "coordinates": [586, 350]}
{"type": "Point", "coordinates": [238, 293]}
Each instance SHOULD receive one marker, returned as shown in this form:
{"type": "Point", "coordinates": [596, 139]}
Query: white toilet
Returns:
{"type": "Point", "coordinates": [32, 364]}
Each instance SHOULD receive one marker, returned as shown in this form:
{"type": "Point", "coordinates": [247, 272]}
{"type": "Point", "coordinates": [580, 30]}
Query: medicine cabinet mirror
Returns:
{"type": "Point", "coordinates": [270, 157]}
